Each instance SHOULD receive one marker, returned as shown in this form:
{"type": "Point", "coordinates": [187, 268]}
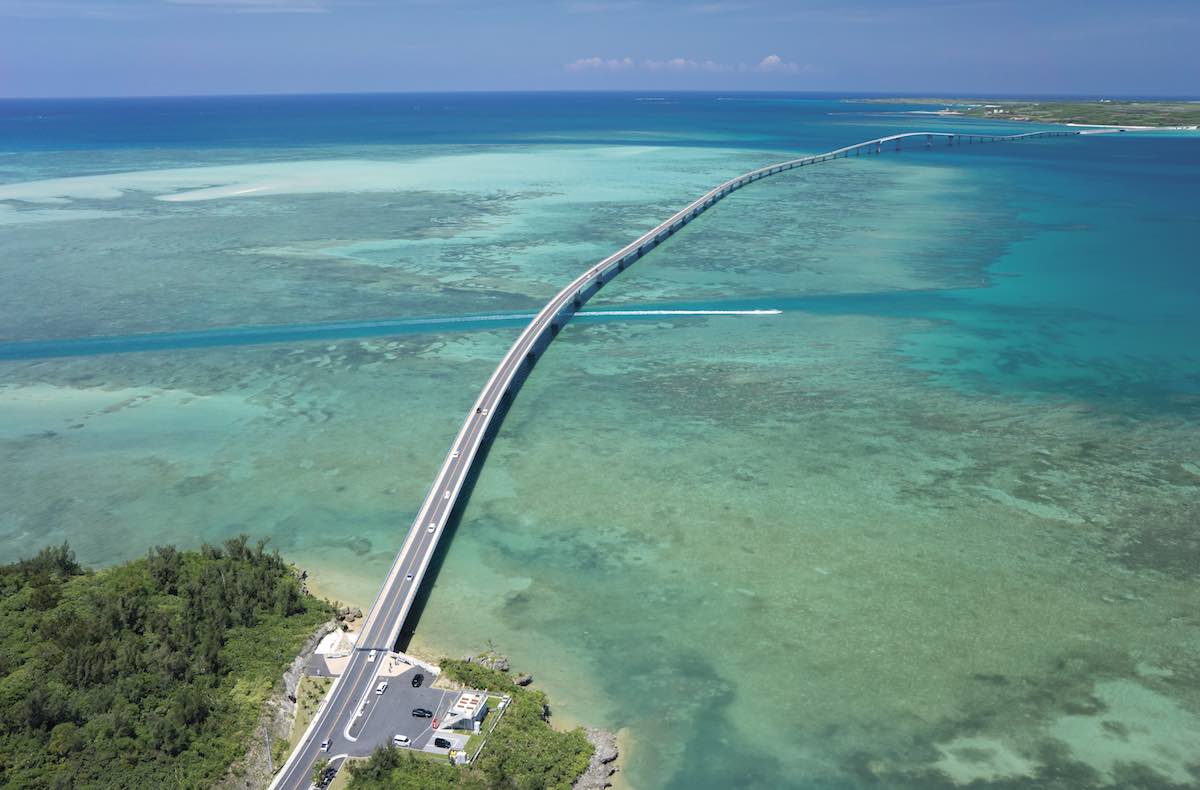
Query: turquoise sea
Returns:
{"type": "Point", "coordinates": [931, 525]}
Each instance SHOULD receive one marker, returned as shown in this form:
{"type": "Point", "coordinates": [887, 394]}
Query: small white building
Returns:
{"type": "Point", "coordinates": [466, 713]}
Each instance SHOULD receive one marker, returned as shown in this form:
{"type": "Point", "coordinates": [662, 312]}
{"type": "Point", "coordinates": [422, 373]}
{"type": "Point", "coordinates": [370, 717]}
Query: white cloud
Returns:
{"type": "Point", "coordinates": [600, 64]}
{"type": "Point", "coordinates": [684, 64]}
{"type": "Point", "coordinates": [777, 65]}
{"type": "Point", "coordinates": [771, 64]}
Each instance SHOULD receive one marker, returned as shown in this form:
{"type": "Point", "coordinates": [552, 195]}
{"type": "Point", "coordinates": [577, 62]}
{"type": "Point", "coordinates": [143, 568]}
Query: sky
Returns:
{"type": "Point", "coordinates": [182, 47]}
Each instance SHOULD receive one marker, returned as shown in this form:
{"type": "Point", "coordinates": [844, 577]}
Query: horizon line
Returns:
{"type": "Point", "coordinates": [921, 94]}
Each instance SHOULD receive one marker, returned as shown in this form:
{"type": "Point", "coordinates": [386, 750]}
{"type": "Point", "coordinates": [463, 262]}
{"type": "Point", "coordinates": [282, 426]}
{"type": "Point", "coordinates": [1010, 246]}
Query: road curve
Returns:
{"type": "Point", "coordinates": [381, 629]}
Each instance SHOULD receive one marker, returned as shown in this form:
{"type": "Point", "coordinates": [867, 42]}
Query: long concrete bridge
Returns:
{"type": "Point", "coordinates": [381, 629]}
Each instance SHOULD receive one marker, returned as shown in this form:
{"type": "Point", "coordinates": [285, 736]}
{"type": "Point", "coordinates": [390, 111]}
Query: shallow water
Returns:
{"type": "Point", "coordinates": [932, 524]}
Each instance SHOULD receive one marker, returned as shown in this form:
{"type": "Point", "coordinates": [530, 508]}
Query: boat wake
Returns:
{"type": "Point", "coordinates": [291, 333]}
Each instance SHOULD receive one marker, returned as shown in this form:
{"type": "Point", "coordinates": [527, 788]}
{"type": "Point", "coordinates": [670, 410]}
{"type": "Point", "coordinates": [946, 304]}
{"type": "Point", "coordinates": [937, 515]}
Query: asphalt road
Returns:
{"type": "Point", "coordinates": [387, 615]}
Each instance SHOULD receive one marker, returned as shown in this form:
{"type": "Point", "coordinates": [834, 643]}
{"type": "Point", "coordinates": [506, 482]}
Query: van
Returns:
{"type": "Point", "coordinates": [382, 687]}
{"type": "Point", "coordinates": [401, 740]}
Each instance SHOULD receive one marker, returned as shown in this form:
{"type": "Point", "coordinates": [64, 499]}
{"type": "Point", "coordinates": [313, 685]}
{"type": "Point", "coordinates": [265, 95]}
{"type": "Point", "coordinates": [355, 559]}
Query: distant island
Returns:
{"type": "Point", "coordinates": [1099, 112]}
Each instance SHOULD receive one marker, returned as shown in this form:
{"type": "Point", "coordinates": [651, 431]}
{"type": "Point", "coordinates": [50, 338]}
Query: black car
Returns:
{"type": "Point", "coordinates": [418, 679]}
{"type": "Point", "coordinates": [442, 743]}
{"type": "Point", "coordinates": [422, 713]}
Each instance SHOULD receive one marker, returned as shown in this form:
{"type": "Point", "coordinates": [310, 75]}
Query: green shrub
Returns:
{"type": "Point", "coordinates": [148, 674]}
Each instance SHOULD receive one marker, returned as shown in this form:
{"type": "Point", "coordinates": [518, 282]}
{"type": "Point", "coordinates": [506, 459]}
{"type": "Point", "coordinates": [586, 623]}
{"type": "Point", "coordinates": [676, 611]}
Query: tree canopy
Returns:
{"type": "Point", "coordinates": [149, 674]}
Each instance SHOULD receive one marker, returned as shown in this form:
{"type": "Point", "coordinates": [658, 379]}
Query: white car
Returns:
{"type": "Point", "coordinates": [484, 412]}
{"type": "Point", "coordinates": [371, 656]}
{"type": "Point", "coordinates": [382, 687]}
{"type": "Point", "coordinates": [455, 454]}
{"type": "Point", "coordinates": [431, 527]}
{"type": "Point", "coordinates": [446, 495]}
{"type": "Point", "coordinates": [326, 744]}
{"type": "Point", "coordinates": [408, 577]}
{"type": "Point", "coordinates": [400, 740]}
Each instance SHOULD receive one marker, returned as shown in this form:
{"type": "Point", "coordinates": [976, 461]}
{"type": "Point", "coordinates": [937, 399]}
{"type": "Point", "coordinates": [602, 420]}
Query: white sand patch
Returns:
{"type": "Point", "coordinates": [337, 642]}
{"type": "Point", "coordinates": [1139, 727]}
{"type": "Point", "coordinates": [979, 758]}
{"type": "Point", "coordinates": [583, 171]}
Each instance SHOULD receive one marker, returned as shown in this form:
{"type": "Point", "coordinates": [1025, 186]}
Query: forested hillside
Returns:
{"type": "Point", "coordinates": [150, 674]}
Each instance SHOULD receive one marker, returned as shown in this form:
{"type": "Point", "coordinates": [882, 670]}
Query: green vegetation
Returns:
{"type": "Point", "coordinates": [309, 694]}
{"type": "Point", "coordinates": [523, 752]}
{"type": "Point", "coordinates": [149, 674]}
{"type": "Point", "coordinates": [1102, 112]}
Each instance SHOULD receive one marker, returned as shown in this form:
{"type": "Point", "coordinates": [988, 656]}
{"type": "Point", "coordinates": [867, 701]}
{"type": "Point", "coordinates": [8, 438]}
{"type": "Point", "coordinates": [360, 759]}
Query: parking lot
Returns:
{"type": "Point", "coordinates": [389, 714]}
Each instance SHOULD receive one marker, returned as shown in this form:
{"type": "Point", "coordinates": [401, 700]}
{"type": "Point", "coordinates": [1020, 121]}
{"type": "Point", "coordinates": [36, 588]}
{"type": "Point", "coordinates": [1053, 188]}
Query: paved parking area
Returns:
{"type": "Point", "coordinates": [389, 714]}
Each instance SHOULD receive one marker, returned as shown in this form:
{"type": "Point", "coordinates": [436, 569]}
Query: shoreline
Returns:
{"type": "Point", "coordinates": [423, 650]}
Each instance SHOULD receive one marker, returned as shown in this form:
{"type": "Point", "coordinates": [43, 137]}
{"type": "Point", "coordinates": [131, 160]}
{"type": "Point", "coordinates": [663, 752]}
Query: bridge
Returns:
{"type": "Point", "coordinates": [381, 628]}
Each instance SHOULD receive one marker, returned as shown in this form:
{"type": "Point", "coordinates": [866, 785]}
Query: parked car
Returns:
{"type": "Point", "coordinates": [401, 740]}
{"type": "Point", "coordinates": [418, 679]}
{"type": "Point", "coordinates": [382, 687]}
{"type": "Point", "coordinates": [422, 713]}
{"type": "Point", "coordinates": [433, 725]}
{"type": "Point", "coordinates": [442, 743]}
